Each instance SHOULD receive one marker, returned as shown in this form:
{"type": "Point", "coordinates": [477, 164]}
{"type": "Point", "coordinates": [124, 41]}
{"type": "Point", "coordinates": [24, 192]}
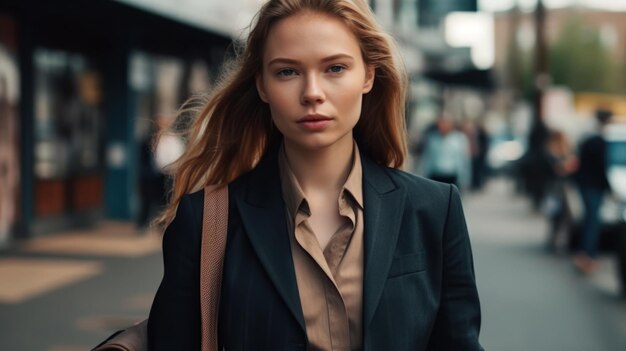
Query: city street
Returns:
{"type": "Point", "coordinates": [532, 300]}
{"type": "Point", "coordinates": [67, 292]}
{"type": "Point", "coordinates": [101, 124]}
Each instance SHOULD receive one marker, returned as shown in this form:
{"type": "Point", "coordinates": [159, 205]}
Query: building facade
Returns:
{"type": "Point", "coordinates": [80, 84]}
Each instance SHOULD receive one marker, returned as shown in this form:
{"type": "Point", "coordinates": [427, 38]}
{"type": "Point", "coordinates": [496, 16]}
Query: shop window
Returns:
{"type": "Point", "coordinates": [9, 129]}
{"type": "Point", "coordinates": [69, 134]}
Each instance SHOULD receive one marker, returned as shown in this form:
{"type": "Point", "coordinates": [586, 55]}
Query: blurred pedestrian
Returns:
{"type": "Point", "coordinates": [446, 154]}
{"type": "Point", "coordinates": [169, 146]}
{"type": "Point", "coordinates": [478, 141]}
{"type": "Point", "coordinates": [535, 166]}
{"type": "Point", "coordinates": [556, 206]}
{"type": "Point", "coordinates": [330, 245]}
{"type": "Point", "coordinates": [158, 151]}
{"type": "Point", "coordinates": [592, 184]}
{"type": "Point", "coordinates": [151, 181]}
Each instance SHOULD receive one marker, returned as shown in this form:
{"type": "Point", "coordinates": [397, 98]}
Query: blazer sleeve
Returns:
{"type": "Point", "coordinates": [457, 324]}
{"type": "Point", "coordinates": [174, 322]}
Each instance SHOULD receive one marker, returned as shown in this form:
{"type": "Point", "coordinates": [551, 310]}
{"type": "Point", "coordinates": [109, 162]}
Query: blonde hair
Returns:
{"type": "Point", "coordinates": [233, 127]}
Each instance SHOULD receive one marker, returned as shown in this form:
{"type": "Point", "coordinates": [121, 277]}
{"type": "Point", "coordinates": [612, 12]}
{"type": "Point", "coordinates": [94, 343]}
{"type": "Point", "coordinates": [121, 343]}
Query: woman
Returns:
{"type": "Point", "coordinates": [330, 247]}
{"type": "Point", "coordinates": [563, 163]}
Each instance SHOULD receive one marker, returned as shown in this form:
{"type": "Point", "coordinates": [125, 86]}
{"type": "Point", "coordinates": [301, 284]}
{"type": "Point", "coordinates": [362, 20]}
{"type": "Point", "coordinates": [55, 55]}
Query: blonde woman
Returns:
{"type": "Point", "coordinates": [330, 246]}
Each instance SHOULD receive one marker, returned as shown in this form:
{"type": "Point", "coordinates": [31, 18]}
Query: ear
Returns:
{"type": "Point", "coordinates": [370, 74]}
{"type": "Point", "coordinates": [259, 87]}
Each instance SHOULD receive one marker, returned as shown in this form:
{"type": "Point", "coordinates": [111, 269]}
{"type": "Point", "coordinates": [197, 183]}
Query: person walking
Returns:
{"type": "Point", "coordinates": [593, 184]}
{"type": "Point", "coordinates": [563, 163]}
{"type": "Point", "coordinates": [330, 246]}
{"type": "Point", "coordinates": [446, 155]}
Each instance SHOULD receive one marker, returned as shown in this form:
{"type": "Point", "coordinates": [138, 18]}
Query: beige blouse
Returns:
{"type": "Point", "coordinates": [330, 282]}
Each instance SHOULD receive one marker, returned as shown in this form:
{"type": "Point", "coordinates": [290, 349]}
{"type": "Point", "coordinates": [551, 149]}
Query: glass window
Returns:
{"type": "Point", "coordinates": [69, 133]}
{"type": "Point", "coordinates": [9, 128]}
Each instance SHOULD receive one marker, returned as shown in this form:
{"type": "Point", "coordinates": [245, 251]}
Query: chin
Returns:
{"type": "Point", "coordinates": [313, 145]}
{"type": "Point", "coordinates": [314, 142]}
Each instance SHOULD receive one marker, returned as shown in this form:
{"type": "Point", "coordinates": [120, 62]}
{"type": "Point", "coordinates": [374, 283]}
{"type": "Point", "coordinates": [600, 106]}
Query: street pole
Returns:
{"type": "Point", "coordinates": [541, 79]}
{"type": "Point", "coordinates": [535, 169]}
{"type": "Point", "coordinates": [513, 71]}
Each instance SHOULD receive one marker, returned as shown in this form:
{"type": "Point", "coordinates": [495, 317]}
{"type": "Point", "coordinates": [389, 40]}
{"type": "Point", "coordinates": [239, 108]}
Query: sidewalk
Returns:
{"type": "Point", "coordinates": [532, 299]}
{"type": "Point", "coordinates": [67, 291]}
{"type": "Point", "coordinates": [498, 216]}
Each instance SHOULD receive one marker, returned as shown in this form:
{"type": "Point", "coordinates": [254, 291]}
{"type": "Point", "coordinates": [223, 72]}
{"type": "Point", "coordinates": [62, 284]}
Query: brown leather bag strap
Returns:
{"type": "Point", "coordinates": [214, 233]}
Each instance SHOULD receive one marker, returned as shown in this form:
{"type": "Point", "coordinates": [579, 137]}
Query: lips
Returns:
{"type": "Point", "coordinates": [314, 123]}
{"type": "Point", "coordinates": [314, 118]}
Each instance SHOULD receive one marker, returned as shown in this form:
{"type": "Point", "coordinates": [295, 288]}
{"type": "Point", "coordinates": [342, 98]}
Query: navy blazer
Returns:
{"type": "Point", "coordinates": [419, 290]}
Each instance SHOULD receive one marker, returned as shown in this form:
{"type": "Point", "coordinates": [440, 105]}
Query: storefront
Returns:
{"type": "Point", "coordinates": [9, 129]}
{"type": "Point", "coordinates": [69, 165]}
{"type": "Point", "coordinates": [89, 79]}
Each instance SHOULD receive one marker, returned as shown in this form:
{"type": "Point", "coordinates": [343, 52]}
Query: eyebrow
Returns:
{"type": "Point", "coordinates": [325, 59]}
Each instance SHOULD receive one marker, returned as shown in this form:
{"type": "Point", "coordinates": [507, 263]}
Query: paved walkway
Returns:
{"type": "Point", "coordinates": [532, 300]}
{"type": "Point", "coordinates": [66, 292]}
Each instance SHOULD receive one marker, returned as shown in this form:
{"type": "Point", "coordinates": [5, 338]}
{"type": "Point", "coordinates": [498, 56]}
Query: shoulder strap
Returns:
{"type": "Point", "coordinates": [214, 233]}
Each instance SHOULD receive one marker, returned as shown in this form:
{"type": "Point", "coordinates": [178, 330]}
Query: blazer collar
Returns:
{"type": "Point", "coordinates": [264, 216]}
{"type": "Point", "coordinates": [383, 210]}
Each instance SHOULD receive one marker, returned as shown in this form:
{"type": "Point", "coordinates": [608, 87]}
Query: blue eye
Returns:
{"type": "Point", "coordinates": [288, 72]}
{"type": "Point", "coordinates": [336, 69]}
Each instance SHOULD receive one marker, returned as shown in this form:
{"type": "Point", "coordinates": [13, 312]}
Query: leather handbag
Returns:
{"type": "Point", "coordinates": [214, 232]}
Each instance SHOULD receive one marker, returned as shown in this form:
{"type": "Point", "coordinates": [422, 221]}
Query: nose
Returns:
{"type": "Point", "coordinates": [312, 92]}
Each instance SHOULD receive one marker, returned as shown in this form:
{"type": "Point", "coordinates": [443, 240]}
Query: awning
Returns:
{"type": "Point", "coordinates": [469, 78]}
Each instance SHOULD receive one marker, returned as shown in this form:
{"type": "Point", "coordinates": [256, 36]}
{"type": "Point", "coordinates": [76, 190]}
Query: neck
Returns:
{"type": "Point", "coordinates": [322, 170]}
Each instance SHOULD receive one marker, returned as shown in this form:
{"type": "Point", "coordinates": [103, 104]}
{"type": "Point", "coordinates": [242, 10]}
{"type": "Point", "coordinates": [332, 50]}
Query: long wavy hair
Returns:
{"type": "Point", "coordinates": [232, 128]}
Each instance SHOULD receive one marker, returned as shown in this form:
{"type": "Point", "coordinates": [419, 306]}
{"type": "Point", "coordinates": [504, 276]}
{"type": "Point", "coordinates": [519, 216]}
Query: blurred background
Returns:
{"type": "Point", "coordinates": [504, 91]}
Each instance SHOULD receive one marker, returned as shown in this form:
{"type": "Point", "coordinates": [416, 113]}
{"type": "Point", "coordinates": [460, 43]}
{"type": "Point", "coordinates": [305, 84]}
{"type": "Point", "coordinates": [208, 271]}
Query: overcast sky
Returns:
{"type": "Point", "coordinates": [228, 17]}
{"type": "Point", "coordinates": [501, 5]}
{"type": "Point", "coordinates": [231, 16]}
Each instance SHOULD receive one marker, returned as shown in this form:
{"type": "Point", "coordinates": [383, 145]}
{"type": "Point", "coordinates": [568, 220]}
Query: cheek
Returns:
{"type": "Point", "coordinates": [349, 102]}
{"type": "Point", "coordinates": [280, 100]}
{"type": "Point", "coordinates": [282, 109]}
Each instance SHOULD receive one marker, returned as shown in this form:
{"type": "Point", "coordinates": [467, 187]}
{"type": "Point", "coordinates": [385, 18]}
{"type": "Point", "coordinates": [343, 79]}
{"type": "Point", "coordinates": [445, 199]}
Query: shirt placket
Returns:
{"type": "Point", "coordinates": [339, 325]}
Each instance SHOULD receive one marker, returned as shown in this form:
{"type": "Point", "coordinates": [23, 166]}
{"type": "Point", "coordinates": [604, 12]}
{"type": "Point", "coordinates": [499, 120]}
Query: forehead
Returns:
{"type": "Point", "coordinates": [310, 35]}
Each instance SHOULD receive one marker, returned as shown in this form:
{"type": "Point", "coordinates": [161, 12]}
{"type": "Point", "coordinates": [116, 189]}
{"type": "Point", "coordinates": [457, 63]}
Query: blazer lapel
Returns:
{"type": "Point", "coordinates": [264, 218]}
{"type": "Point", "coordinates": [263, 214]}
{"type": "Point", "coordinates": [384, 204]}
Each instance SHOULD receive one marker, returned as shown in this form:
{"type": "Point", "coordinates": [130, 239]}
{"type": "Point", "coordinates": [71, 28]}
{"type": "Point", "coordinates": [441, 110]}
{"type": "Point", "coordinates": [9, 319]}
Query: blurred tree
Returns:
{"type": "Point", "coordinates": [579, 60]}
{"type": "Point", "coordinates": [522, 72]}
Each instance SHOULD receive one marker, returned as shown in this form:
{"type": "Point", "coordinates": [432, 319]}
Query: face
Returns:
{"type": "Point", "coordinates": [313, 79]}
{"type": "Point", "coordinates": [445, 125]}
